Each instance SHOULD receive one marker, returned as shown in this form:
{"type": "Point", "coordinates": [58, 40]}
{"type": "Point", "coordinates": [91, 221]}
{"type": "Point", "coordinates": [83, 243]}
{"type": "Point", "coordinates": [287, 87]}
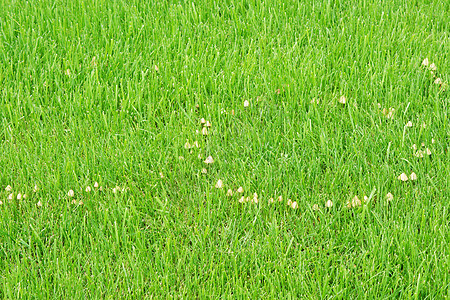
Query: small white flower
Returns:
{"type": "Point", "coordinates": [271, 200]}
{"type": "Point", "coordinates": [156, 68]}
{"type": "Point", "coordinates": [255, 198]}
{"type": "Point", "coordinates": [229, 193]}
{"type": "Point", "coordinates": [114, 190]}
{"type": "Point", "coordinates": [289, 202]}
{"type": "Point", "coordinates": [19, 196]}
{"type": "Point", "coordinates": [433, 141]}
{"type": "Point", "coordinates": [280, 199]}
{"type": "Point", "coordinates": [342, 100]}
{"type": "Point", "coordinates": [71, 193]}
{"type": "Point", "coordinates": [403, 177]}
{"type": "Point", "coordinates": [356, 202]}
{"type": "Point", "coordinates": [413, 176]}
{"type": "Point", "coordinates": [389, 197]}
{"type": "Point", "coordinates": [202, 121]}
{"type": "Point", "coordinates": [329, 204]}
{"type": "Point", "coordinates": [204, 171]}
{"type": "Point", "coordinates": [209, 160]}
{"type": "Point", "coordinates": [414, 147]}
{"type": "Point", "coordinates": [219, 184]}
{"type": "Point", "coordinates": [419, 153]}
{"type": "Point", "coordinates": [315, 207]}
{"type": "Point", "coordinates": [68, 72]}
{"type": "Point", "coordinates": [8, 188]}
{"type": "Point", "coordinates": [246, 103]}
{"type": "Point", "coordinates": [161, 174]}
{"type": "Point", "coordinates": [195, 144]}
{"type": "Point", "coordinates": [423, 144]}
{"type": "Point", "coordinates": [242, 199]}
{"type": "Point", "coordinates": [11, 196]}
{"type": "Point", "coordinates": [96, 184]}
{"type": "Point", "coordinates": [240, 190]}
{"type": "Point", "coordinates": [433, 67]}
{"type": "Point", "coordinates": [438, 81]}
{"type": "Point", "coordinates": [409, 124]}
{"type": "Point", "coordinates": [294, 205]}
{"type": "Point", "coordinates": [25, 196]}
{"type": "Point", "coordinates": [428, 151]}
{"type": "Point", "coordinates": [39, 203]}
{"type": "Point", "coordinates": [1, 202]}
{"type": "Point", "coordinates": [88, 189]}
{"type": "Point", "coordinates": [35, 189]}
{"type": "Point", "coordinates": [187, 145]}
{"type": "Point", "coordinates": [208, 124]}
{"type": "Point", "coordinates": [366, 199]}
{"type": "Point", "coordinates": [205, 131]}
{"type": "Point", "coordinates": [425, 62]}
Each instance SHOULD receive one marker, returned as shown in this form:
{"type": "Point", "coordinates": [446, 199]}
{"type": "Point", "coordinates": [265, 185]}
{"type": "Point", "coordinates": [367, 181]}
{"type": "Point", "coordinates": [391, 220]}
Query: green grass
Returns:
{"type": "Point", "coordinates": [81, 101]}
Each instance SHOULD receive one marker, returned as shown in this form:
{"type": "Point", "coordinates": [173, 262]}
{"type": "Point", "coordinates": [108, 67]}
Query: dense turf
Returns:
{"type": "Point", "coordinates": [111, 91]}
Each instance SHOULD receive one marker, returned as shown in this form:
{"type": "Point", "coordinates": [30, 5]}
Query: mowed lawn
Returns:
{"type": "Point", "coordinates": [224, 149]}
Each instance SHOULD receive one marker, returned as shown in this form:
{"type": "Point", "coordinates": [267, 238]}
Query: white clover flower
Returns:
{"type": "Point", "coordinates": [366, 199]}
{"type": "Point", "coordinates": [88, 189]}
{"type": "Point", "coordinates": [413, 176]}
{"type": "Point", "coordinates": [96, 184]}
{"type": "Point", "coordinates": [209, 160]}
{"type": "Point", "coordinates": [205, 131]}
{"type": "Point", "coordinates": [70, 193]}
{"type": "Point", "coordinates": [315, 207]}
{"type": "Point", "coordinates": [187, 145]}
{"type": "Point", "coordinates": [329, 204]}
{"type": "Point", "coordinates": [208, 124]}
{"type": "Point", "coordinates": [438, 81]}
{"type": "Point", "coordinates": [229, 193]}
{"type": "Point", "coordinates": [1, 202]}
{"type": "Point", "coordinates": [425, 62]}
{"type": "Point", "coordinates": [289, 202]}
{"type": "Point", "coordinates": [246, 103]}
{"type": "Point", "coordinates": [11, 196]}
{"type": "Point", "coordinates": [271, 200]}
{"type": "Point", "coordinates": [19, 196]}
{"type": "Point", "coordinates": [409, 124]}
{"type": "Point", "coordinates": [35, 189]}
{"type": "Point", "coordinates": [414, 147]}
{"type": "Point", "coordinates": [240, 190]}
{"type": "Point", "coordinates": [403, 177]}
{"type": "Point", "coordinates": [389, 197]}
{"type": "Point", "coordinates": [428, 151]}
{"type": "Point", "coordinates": [114, 190]}
{"type": "Point", "coordinates": [433, 67]}
{"type": "Point", "coordinates": [204, 171]}
{"type": "Point", "coordinates": [342, 100]}
{"type": "Point", "coordinates": [219, 184]}
{"type": "Point", "coordinates": [433, 141]}
{"type": "Point", "coordinates": [25, 196]}
{"type": "Point", "coordinates": [202, 121]}
{"type": "Point", "coordinates": [242, 199]}
{"type": "Point", "coordinates": [294, 205]}
{"type": "Point", "coordinates": [39, 203]}
{"type": "Point", "coordinates": [280, 198]}
{"type": "Point", "coordinates": [8, 188]}
{"type": "Point", "coordinates": [195, 144]}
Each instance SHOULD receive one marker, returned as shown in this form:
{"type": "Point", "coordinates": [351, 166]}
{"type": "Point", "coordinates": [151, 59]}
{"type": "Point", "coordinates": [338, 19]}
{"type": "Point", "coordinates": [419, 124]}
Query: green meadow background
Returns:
{"type": "Point", "coordinates": [110, 92]}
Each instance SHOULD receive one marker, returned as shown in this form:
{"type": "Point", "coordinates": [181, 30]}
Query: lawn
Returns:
{"type": "Point", "coordinates": [226, 149]}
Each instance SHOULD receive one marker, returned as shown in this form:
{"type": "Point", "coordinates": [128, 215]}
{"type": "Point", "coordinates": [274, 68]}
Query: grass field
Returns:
{"type": "Point", "coordinates": [112, 186]}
